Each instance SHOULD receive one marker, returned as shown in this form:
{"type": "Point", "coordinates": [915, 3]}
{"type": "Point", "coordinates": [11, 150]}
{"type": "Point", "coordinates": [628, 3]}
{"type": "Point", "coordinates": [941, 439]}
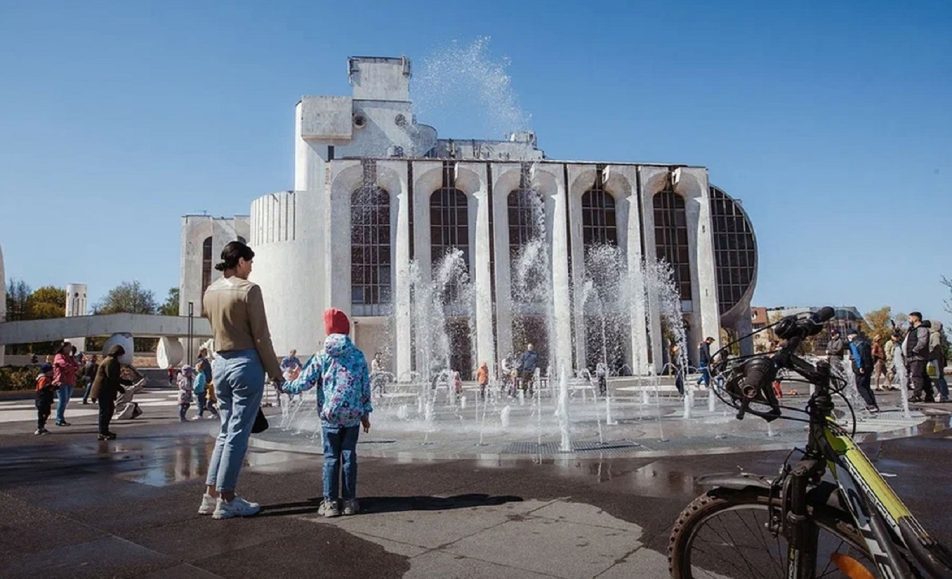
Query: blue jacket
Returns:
{"type": "Point", "coordinates": [530, 359]}
{"type": "Point", "coordinates": [341, 372]}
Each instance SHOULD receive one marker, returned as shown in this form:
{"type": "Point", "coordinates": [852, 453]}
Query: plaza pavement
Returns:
{"type": "Point", "coordinates": [72, 506]}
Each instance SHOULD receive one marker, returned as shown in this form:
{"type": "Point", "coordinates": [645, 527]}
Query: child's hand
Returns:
{"type": "Point", "coordinates": [365, 421]}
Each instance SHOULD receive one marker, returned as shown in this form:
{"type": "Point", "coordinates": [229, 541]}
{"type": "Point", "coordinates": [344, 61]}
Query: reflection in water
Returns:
{"type": "Point", "coordinates": [187, 460]}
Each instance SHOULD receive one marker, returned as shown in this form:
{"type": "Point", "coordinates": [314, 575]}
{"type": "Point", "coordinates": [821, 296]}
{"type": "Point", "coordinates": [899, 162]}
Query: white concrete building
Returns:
{"type": "Point", "coordinates": [203, 238]}
{"type": "Point", "coordinates": [375, 191]}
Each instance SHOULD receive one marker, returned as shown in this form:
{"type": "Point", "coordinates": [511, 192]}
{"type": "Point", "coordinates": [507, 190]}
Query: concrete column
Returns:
{"type": "Point", "coordinates": [743, 327]}
{"type": "Point", "coordinates": [76, 306]}
{"type": "Point", "coordinates": [474, 182]}
{"type": "Point", "coordinates": [653, 179]}
{"type": "Point", "coordinates": [561, 294]}
{"type": "Point", "coordinates": [392, 176]}
{"type": "Point", "coordinates": [703, 272]}
{"type": "Point", "coordinates": [505, 179]}
{"type": "Point", "coordinates": [639, 311]}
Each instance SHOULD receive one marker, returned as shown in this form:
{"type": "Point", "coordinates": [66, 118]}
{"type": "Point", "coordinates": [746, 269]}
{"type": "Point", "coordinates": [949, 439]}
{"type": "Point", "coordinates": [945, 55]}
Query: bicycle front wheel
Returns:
{"type": "Point", "coordinates": [727, 533]}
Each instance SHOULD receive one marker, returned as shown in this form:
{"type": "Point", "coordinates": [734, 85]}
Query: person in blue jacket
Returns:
{"type": "Point", "coordinates": [342, 379]}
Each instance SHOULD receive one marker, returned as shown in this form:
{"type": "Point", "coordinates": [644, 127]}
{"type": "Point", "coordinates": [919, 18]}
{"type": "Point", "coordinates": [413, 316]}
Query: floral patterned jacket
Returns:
{"type": "Point", "coordinates": [343, 380]}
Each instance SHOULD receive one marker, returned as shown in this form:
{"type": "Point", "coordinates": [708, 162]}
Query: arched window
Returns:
{"type": "Point", "coordinates": [735, 252]}
{"type": "Point", "coordinates": [671, 237]}
{"type": "Point", "coordinates": [206, 264]}
{"type": "Point", "coordinates": [449, 222]}
{"type": "Point", "coordinates": [526, 224]}
{"type": "Point", "coordinates": [370, 283]}
{"type": "Point", "coordinates": [598, 216]}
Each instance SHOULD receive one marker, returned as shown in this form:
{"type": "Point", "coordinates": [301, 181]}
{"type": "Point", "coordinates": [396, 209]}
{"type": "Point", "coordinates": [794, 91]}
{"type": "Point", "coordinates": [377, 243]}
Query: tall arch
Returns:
{"type": "Point", "coordinates": [206, 263]}
{"type": "Point", "coordinates": [671, 237]}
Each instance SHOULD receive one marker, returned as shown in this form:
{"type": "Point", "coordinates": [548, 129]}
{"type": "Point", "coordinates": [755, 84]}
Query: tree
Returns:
{"type": "Point", "coordinates": [18, 296]}
{"type": "Point", "coordinates": [128, 297]}
{"type": "Point", "coordinates": [880, 322]}
{"type": "Point", "coordinates": [171, 305]}
{"type": "Point", "coordinates": [47, 302]}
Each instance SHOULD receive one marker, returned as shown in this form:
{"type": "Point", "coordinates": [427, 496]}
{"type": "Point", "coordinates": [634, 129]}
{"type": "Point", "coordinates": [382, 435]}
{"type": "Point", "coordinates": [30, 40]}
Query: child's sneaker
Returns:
{"type": "Point", "coordinates": [351, 507]}
{"type": "Point", "coordinates": [236, 507]}
{"type": "Point", "coordinates": [329, 509]}
{"type": "Point", "coordinates": [208, 504]}
{"type": "Point", "coordinates": [41, 431]}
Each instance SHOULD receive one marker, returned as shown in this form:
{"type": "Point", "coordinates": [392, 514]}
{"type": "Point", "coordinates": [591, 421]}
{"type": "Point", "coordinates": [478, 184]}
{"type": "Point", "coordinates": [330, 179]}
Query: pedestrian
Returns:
{"type": "Point", "coordinates": [601, 374]}
{"type": "Point", "coordinates": [507, 366]}
{"type": "Point", "coordinates": [65, 369]}
{"type": "Point", "coordinates": [704, 361]}
{"type": "Point", "coordinates": [235, 310]}
{"type": "Point", "coordinates": [879, 362]}
{"type": "Point", "coordinates": [678, 367]}
{"type": "Point", "coordinates": [916, 350]}
{"type": "Point", "coordinates": [527, 367]}
{"type": "Point", "coordinates": [107, 386]}
{"type": "Point", "coordinates": [862, 359]}
{"type": "Point", "coordinates": [290, 365]}
{"type": "Point", "coordinates": [186, 388]}
{"type": "Point", "coordinates": [893, 350]}
{"type": "Point", "coordinates": [938, 346]}
{"type": "Point", "coordinates": [89, 375]}
{"type": "Point", "coordinates": [45, 392]}
{"type": "Point", "coordinates": [482, 378]}
{"type": "Point", "coordinates": [206, 400]}
{"type": "Point", "coordinates": [342, 381]}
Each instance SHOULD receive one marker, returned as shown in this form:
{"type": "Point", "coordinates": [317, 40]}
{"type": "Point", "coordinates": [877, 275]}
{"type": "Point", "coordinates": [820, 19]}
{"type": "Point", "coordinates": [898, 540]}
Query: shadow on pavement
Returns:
{"type": "Point", "coordinates": [375, 505]}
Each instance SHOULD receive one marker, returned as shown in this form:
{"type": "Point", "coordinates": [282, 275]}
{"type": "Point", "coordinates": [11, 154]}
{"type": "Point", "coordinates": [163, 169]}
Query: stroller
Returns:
{"type": "Point", "coordinates": [126, 408]}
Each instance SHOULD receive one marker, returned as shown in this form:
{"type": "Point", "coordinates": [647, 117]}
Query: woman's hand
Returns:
{"type": "Point", "coordinates": [365, 421]}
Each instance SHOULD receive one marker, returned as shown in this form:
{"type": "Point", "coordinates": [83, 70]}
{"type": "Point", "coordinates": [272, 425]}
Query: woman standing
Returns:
{"type": "Point", "coordinates": [106, 386]}
{"type": "Point", "coordinates": [235, 309]}
{"type": "Point", "coordinates": [65, 368]}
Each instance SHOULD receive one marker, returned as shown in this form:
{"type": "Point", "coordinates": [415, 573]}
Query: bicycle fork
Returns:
{"type": "Point", "coordinates": [799, 528]}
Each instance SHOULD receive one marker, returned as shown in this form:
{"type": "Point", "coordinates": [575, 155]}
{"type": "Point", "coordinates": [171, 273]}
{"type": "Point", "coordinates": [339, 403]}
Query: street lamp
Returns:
{"type": "Point", "coordinates": [191, 318]}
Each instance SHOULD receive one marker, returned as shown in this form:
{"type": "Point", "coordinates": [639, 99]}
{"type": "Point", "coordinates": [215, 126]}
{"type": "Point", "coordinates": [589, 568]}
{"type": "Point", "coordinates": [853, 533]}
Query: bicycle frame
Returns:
{"type": "Point", "coordinates": [880, 515]}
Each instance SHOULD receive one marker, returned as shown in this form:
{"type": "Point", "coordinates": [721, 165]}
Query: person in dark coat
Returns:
{"type": "Point", "coordinates": [861, 356]}
{"type": "Point", "coordinates": [916, 349]}
{"type": "Point", "coordinates": [106, 387]}
{"type": "Point", "coordinates": [704, 361]}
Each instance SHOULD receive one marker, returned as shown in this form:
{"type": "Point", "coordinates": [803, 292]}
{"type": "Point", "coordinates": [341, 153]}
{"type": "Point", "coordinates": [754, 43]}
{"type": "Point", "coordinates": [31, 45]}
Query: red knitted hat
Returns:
{"type": "Point", "coordinates": [336, 322]}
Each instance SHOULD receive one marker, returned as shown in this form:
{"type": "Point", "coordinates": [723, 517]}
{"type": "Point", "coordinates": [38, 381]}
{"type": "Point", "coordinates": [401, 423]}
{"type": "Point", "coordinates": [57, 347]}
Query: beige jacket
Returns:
{"type": "Point", "coordinates": [235, 309]}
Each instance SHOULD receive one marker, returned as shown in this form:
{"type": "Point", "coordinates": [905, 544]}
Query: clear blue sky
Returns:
{"type": "Point", "coordinates": [832, 121]}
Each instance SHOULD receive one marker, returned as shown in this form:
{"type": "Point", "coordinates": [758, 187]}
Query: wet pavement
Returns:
{"type": "Point", "coordinates": [72, 506]}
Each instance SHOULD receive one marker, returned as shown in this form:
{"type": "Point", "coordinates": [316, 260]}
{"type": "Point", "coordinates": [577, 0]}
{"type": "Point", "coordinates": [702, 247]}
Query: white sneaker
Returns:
{"type": "Point", "coordinates": [237, 507]}
{"type": "Point", "coordinates": [208, 504]}
{"type": "Point", "coordinates": [329, 509]}
{"type": "Point", "coordinates": [351, 507]}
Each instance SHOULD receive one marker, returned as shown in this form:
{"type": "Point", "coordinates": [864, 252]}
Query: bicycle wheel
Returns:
{"type": "Point", "coordinates": [725, 533]}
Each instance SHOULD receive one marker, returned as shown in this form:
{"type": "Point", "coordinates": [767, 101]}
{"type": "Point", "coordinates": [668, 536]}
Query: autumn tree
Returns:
{"type": "Point", "coordinates": [880, 322]}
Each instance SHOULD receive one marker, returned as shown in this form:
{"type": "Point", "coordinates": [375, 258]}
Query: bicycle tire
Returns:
{"type": "Point", "coordinates": [682, 548]}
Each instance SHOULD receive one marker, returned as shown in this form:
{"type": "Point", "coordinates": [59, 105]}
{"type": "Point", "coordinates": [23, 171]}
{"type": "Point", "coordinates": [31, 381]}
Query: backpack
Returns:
{"type": "Point", "coordinates": [199, 386]}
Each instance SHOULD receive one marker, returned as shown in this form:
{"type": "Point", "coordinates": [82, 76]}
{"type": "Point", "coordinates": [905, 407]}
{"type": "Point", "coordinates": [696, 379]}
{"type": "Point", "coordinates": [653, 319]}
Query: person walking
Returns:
{"type": "Point", "coordinates": [916, 349]}
{"type": "Point", "coordinates": [45, 392]}
{"type": "Point", "coordinates": [482, 378]}
{"type": "Point", "coordinates": [527, 367]}
{"type": "Point", "coordinates": [938, 346]}
{"type": "Point", "coordinates": [342, 380]}
{"type": "Point", "coordinates": [106, 387]}
{"type": "Point", "coordinates": [893, 349]}
{"type": "Point", "coordinates": [376, 375]}
{"type": "Point", "coordinates": [879, 362]}
{"type": "Point", "coordinates": [704, 361]}
{"type": "Point", "coordinates": [65, 369]}
{"type": "Point", "coordinates": [89, 375]}
{"type": "Point", "coordinates": [678, 368]}
{"type": "Point", "coordinates": [206, 399]}
{"type": "Point", "coordinates": [862, 359]}
{"type": "Point", "coordinates": [601, 375]}
{"type": "Point", "coordinates": [186, 388]}
{"type": "Point", "coordinates": [235, 309]}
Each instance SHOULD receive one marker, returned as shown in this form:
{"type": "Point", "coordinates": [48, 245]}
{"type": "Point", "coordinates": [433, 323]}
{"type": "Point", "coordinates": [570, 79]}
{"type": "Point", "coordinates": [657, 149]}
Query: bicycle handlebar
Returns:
{"type": "Point", "coordinates": [754, 381]}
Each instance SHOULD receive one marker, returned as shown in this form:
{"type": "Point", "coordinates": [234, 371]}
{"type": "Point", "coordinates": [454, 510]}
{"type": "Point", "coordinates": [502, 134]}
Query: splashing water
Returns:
{"type": "Point", "coordinates": [460, 80]}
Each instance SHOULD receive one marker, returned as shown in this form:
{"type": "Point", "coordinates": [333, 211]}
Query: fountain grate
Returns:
{"type": "Point", "coordinates": [532, 447]}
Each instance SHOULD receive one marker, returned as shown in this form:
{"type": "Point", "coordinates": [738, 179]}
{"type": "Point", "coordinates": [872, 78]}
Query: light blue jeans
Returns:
{"type": "Point", "coordinates": [239, 383]}
{"type": "Point", "coordinates": [62, 399]}
{"type": "Point", "coordinates": [340, 454]}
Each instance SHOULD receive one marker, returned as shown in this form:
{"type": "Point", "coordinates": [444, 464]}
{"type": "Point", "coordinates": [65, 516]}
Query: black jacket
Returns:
{"type": "Point", "coordinates": [704, 354]}
{"type": "Point", "coordinates": [108, 382]}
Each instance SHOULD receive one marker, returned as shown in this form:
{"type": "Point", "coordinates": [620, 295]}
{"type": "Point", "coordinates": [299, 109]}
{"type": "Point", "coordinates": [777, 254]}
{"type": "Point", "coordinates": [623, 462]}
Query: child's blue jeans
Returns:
{"type": "Point", "coordinates": [340, 453]}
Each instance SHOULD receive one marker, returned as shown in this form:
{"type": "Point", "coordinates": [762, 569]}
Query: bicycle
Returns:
{"type": "Point", "coordinates": [800, 524]}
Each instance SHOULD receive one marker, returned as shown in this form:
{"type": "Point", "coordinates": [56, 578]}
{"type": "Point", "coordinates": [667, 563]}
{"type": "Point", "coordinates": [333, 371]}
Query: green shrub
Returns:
{"type": "Point", "coordinates": [12, 378]}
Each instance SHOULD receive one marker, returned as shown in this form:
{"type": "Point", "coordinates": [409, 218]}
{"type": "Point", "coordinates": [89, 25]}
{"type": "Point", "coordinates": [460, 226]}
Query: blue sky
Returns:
{"type": "Point", "coordinates": [832, 122]}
